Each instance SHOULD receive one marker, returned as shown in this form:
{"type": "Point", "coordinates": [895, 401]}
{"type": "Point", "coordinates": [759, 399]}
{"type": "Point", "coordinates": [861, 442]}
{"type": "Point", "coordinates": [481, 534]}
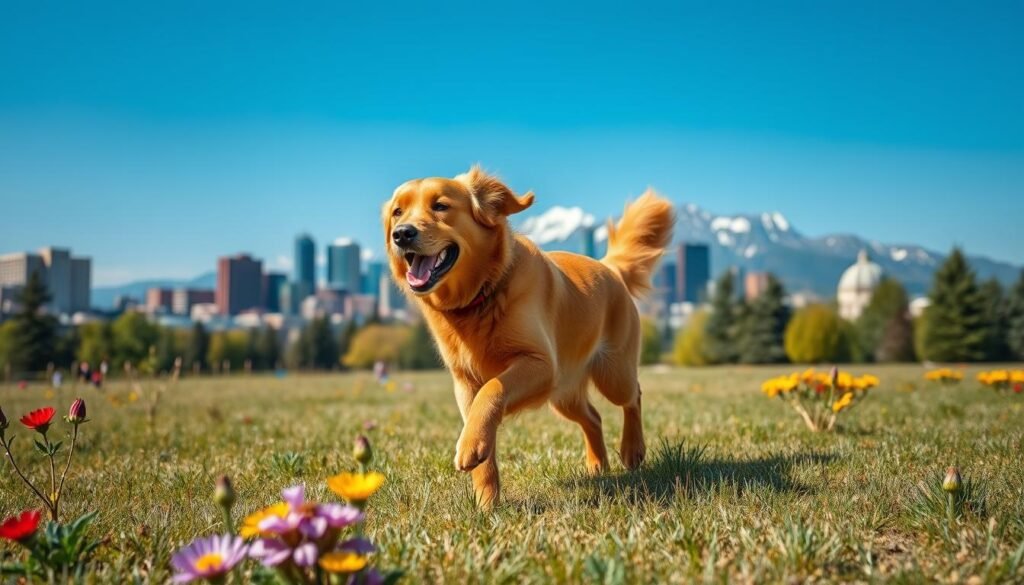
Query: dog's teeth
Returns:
{"type": "Point", "coordinates": [443, 254]}
{"type": "Point", "coordinates": [440, 259]}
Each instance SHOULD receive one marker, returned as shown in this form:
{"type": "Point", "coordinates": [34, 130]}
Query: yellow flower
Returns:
{"type": "Point", "coordinates": [844, 401]}
{"type": "Point", "coordinates": [250, 526]}
{"type": "Point", "coordinates": [342, 562]}
{"type": "Point", "coordinates": [356, 487]}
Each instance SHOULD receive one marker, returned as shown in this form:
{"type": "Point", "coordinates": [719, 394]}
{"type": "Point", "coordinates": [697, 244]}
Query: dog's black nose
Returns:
{"type": "Point", "coordinates": [404, 235]}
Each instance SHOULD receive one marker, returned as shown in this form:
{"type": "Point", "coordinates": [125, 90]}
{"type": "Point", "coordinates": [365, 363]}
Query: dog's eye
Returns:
{"type": "Point", "coordinates": [397, 212]}
{"type": "Point", "coordinates": [438, 206]}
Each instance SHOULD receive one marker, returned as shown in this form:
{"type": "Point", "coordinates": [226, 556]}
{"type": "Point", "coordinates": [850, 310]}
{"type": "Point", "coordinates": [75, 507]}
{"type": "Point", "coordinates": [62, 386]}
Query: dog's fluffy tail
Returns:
{"type": "Point", "coordinates": [637, 242]}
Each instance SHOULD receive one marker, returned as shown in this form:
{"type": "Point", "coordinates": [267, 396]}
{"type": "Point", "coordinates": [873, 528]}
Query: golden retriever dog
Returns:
{"type": "Point", "coordinates": [519, 327]}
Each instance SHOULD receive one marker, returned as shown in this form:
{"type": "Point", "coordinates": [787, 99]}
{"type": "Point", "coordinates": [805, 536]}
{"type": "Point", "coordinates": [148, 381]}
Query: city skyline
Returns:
{"type": "Point", "coordinates": [172, 137]}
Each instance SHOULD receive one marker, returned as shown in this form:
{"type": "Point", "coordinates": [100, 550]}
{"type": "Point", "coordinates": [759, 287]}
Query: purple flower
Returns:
{"type": "Point", "coordinates": [270, 551]}
{"type": "Point", "coordinates": [339, 516]}
{"type": "Point", "coordinates": [359, 546]}
{"type": "Point", "coordinates": [295, 496]}
{"type": "Point", "coordinates": [208, 558]}
{"type": "Point", "coordinates": [306, 554]}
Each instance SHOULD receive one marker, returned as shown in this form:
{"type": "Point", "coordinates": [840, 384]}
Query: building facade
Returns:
{"type": "Point", "coordinates": [183, 299]}
{"type": "Point", "coordinates": [305, 266]}
{"type": "Point", "coordinates": [857, 285]}
{"type": "Point", "coordinates": [239, 284]}
{"type": "Point", "coordinates": [343, 266]}
{"type": "Point", "coordinates": [272, 283]}
{"type": "Point", "coordinates": [67, 278]}
{"type": "Point", "coordinates": [692, 272]}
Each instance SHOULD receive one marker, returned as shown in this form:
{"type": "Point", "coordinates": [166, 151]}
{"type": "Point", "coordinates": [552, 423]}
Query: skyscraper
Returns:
{"type": "Point", "coordinates": [343, 266]}
{"type": "Point", "coordinates": [693, 271]}
{"type": "Point", "coordinates": [67, 278]}
{"type": "Point", "coordinates": [272, 282]}
{"type": "Point", "coordinates": [371, 280]}
{"type": "Point", "coordinates": [239, 284]}
{"type": "Point", "coordinates": [305, 266]}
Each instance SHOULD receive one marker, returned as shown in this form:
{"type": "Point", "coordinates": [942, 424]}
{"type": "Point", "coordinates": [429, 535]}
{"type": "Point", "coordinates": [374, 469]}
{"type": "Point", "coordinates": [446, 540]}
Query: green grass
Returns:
{"type": "Point", "coordinates": [734, 489]}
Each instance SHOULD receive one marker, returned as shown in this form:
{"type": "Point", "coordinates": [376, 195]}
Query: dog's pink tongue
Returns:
{"type": "Point", "coordinates": [419, 271]}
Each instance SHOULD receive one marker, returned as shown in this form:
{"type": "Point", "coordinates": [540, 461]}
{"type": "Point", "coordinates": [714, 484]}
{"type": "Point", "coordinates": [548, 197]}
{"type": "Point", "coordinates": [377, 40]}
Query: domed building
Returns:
{"type": "Point", "coordinates": [857, 285]}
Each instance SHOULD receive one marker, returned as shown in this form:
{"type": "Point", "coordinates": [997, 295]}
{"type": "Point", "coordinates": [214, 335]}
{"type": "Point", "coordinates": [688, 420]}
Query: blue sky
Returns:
{"type": "Point", "coordinates": [158, 138]}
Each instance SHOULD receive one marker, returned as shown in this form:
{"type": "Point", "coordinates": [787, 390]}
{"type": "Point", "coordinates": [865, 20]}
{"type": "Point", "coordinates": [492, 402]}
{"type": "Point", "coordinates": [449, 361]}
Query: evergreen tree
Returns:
{"type": "Point", "coordinates": [956, 330]}
{"type": "Point", "coordinates": [252, 351]}
{"type": "Point", "coordinates": [996, 327]}
{"type": "Point", "coordinates": [1015, 319]}
{"type": "Point", "coordinates": [888, 302]}
{"type": "Point", "coordinates": [198, 346]}
{"type": "Point", "coordinates": [650, 342]}
{"type": "Point", "coordinates": [34, 333]}
{"type": "Point", "coordinates": [323, 349]}
{"type": "Point", "coordinates": [762, 329]}
{"type": "Point", "coordinates": [348, 334]}
{"type": "Point", "coordinates": [897, 342]}
{"type": "Point", "coordinates": [268, 348]}
{"type": "Point", "coordinates": [418, 351]}
{"type": "Point", "coordinates": [722, 327]}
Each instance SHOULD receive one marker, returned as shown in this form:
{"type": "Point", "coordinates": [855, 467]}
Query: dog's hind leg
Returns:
{"type": "Point", "coordinates": [615, 375]}
{"type": "Point", "coordinates": [584, 414]}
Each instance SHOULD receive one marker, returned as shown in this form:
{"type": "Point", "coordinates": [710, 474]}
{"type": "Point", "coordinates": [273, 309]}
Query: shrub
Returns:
{"type": "Point", "coordinates": [689, 348]}
{"type": "Point", "coordinates": [815, 335]}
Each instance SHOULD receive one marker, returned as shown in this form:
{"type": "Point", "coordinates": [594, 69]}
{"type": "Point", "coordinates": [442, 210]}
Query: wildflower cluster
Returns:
{"type": "Point", "coordinates": [818, 397]}
{"type": "Point", "coordinates": [58, 548]}
{"type": "Point", "coordinates": [302, 540]}
{"type": "Point", "coordinates": [1003, 380]}
{"type": "Point", "coordinates": [944, 376]}
{"type": "Point", "coordinates": [39, 420]}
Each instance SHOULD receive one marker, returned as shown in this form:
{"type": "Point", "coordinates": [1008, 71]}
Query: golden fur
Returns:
{"type": "Point", "coordinates": [519, 327]}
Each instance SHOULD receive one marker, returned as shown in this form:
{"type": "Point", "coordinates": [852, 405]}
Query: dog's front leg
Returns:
{"type": "Point", "coordinates": [527, 378]}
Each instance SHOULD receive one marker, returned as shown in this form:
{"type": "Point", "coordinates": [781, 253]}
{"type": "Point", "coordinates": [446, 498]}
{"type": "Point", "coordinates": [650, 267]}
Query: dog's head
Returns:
{"type": "Point", "coordinates": [448, 238]}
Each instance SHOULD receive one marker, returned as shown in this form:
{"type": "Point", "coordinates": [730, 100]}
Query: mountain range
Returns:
{"type": "Point", "coordinates": [103, 296]}
{"type": "Point", "coordinates": [755, 242]}
{"type": "Point", "coordinates": [766, 242]}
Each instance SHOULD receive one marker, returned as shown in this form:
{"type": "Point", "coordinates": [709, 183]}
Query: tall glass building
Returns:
{"type": "Point", "coordinates": [343, 266]}
{"type": "Point", "coordinates": [305, 267]}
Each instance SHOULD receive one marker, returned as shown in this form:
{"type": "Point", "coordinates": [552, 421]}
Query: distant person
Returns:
{"type": "Point", "coordinates": [380, 372]}
{"type": "Point", "coordinates": [84, 373]}
{"type": "Point", "coordinates": [103, 368]}
{"type": "Point", "coordinates": [97, 379]}
{"type": "Point", "coordinates": [56, 380]}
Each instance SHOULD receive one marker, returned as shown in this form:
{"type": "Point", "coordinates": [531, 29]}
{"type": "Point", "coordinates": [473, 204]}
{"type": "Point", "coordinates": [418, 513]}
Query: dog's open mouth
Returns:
{"type": "Point", "coordinates": [425, 271]}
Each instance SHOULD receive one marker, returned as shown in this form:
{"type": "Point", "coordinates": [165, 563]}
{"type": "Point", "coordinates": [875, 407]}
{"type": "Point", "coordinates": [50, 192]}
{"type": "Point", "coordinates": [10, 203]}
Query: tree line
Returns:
{"type": "Point", "coordinates": [33, 341]}
{"type": "Point", "coordinates": [966, 321]}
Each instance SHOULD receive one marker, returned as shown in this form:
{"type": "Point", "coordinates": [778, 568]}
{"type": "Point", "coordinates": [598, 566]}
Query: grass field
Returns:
{"type": "Point", "coordinates": [735, 488]}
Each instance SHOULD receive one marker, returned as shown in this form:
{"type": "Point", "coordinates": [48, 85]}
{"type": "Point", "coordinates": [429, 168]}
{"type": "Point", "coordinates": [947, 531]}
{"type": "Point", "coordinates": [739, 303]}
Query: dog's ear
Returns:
{"type": "Point", "coordinates": [492, 200]}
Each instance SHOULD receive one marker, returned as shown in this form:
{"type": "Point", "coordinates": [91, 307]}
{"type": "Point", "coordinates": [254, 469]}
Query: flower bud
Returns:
{"type": "Point", "coordinates": [952, 483]}
{"type": "Point", "coordinates": [76, 414]}
{"type": "Point", "coordinates": [833, 376]}
{"type": "Point", "coordinates": [361, 450]}
{"type": "Point", "coordinates": [224, 493]}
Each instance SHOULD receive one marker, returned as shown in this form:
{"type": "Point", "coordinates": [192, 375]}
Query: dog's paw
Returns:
{"type": "Point", "coordinates": [471, 452]}
{"type": "Point", "coordinates": [632, 454]}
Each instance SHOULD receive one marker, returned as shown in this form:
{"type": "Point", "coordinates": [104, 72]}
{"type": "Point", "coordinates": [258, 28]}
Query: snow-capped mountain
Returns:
{"type": "Point", "coordinates": [763, 242]}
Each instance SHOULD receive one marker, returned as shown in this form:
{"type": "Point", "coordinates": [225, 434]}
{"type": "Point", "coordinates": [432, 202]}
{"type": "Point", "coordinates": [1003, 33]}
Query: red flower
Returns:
{"type": "Point", "coordinates": [38, 420]}
{"type": "Point", "coordinates": [20, 528]}
{"type": "Point", "coordinates": [76, 414]}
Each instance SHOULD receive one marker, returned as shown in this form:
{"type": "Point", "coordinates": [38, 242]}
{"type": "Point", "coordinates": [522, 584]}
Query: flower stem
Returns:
{"type": "Point", "coordinates": [17, 470]}
{"type": "Point", "coordinates": [60, 487]}
{"type": "Point", "coordinates": [53, 479]}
